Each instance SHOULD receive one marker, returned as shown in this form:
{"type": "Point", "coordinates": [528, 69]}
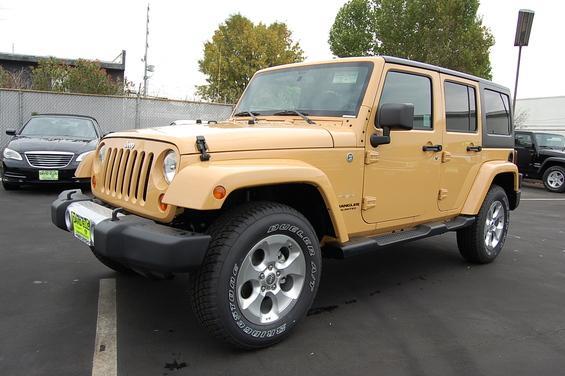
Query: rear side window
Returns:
{"type": "Point", "coordinates": [413, 89]}
{"type": "Point", "coordinates": [497, 109]}
{"type": "Point", "coordinates": [460, 108]}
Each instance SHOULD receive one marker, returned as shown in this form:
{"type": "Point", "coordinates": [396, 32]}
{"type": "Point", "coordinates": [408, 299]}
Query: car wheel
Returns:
{"type": "Point", "coordinates": [260, 275]}
{"type": "Point", "coordinates": [482, 241]}
{"type": "Point", "coordinates": [554, 179]}
{"type": "Point", "coordinates": [10, 186]}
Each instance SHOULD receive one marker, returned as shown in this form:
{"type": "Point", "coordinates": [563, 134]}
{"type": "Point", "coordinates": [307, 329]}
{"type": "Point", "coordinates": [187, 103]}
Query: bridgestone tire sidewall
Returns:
{"type": "Point", "coordinates": [240, 328]}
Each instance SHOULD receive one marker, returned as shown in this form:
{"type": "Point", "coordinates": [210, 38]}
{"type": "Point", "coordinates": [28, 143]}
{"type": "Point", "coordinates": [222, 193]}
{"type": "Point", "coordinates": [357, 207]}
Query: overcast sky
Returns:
{"type": "Point", "coordinates": [178, 28]}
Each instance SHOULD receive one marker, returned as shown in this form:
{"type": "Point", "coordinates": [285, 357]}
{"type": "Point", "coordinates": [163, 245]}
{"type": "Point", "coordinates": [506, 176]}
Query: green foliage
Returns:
{"type": "Point", "coordinates": [84, 77]}
{"type": "Point", "coordinates": [237, 50]}
{"type": "Point", "coordinates": [4, 78]}
{"type": "Point", "coordinates": [353, 32]}
{"type": "Point", "coordinates": [447, 33]}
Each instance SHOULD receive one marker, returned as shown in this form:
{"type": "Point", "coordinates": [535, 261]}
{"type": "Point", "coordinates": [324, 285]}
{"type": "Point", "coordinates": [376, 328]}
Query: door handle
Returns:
{"type": "Point", "coordinates": [434, 148]}
{"type": "Point", "coordinates": [474, 148]}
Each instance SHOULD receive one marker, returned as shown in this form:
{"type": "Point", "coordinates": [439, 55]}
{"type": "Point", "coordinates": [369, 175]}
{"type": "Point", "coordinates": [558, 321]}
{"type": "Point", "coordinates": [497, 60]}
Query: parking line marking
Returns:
{"type": "Point", "coordinates": [105, 360]}
{"type": "Point", "coordinates": [543, 199]}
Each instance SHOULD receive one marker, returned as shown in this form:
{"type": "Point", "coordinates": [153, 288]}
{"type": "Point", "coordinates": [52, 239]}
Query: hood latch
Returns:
{"type": "Point", "coordinates": [202, 148]}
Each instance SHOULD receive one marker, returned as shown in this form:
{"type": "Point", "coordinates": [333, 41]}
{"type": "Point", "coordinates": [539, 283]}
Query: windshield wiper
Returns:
{"type": "Point", "coordinates": [249, 113]}
{"type": "Point", "coordinates": [294, 112]}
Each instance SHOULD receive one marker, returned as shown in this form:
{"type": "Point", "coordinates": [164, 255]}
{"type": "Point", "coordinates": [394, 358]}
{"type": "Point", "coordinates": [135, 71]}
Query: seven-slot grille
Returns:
{"type": "Point", "coordinates": [126, 173]}
{"type": "Point", "coordinates": [48, 159]}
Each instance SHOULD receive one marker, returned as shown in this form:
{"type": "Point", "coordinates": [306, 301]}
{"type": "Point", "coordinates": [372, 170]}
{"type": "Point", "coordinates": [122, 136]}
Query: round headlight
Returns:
{"type": "Point", "coordinates": [102, 153]}
{"type": "Point", "coordinates": [170, 166]}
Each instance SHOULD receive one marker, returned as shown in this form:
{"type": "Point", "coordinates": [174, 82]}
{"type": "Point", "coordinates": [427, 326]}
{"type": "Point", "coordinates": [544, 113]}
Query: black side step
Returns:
{"type": "Point", "coordinates": [362, 245]}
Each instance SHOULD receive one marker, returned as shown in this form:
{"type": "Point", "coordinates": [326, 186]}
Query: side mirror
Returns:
{"type": "Point", "coordinates": [396, 116]}
{"type": "Point", "coordinates": [392, 116]}
{"type": "Point", "coordinates": [11, 132]}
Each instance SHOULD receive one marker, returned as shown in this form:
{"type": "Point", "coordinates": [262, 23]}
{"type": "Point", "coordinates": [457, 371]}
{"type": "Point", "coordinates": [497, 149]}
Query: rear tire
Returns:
{"type": "Point", "coordinates": [554, 179]}
{"type": "Point", "coordinates": [482, 242]}
{"type": "Point", "coordinates": [260, 275]}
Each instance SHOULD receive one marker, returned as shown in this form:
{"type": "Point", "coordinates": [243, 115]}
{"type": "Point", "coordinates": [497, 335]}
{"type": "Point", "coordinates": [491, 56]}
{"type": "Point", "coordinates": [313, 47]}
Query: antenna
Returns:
{"type": "Point", "coordinates": [145, 77]}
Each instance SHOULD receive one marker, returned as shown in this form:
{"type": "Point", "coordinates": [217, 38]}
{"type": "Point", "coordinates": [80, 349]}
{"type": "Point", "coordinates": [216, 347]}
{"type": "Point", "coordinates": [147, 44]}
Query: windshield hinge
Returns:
{"type": "Point", "coordinates": [202, 148]}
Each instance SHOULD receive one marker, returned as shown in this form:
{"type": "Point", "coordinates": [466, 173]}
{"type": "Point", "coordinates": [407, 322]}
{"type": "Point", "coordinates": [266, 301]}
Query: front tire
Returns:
{"type": "Point", "coordinates": [482, 242]}
{"type": "Point", "coordinates": [260, 275]}
{"type": "Point", "coordinates": [554, 179]}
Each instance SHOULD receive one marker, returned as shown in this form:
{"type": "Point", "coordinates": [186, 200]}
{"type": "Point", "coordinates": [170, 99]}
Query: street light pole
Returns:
{"type": "Point", "coordinates": [523, 29]}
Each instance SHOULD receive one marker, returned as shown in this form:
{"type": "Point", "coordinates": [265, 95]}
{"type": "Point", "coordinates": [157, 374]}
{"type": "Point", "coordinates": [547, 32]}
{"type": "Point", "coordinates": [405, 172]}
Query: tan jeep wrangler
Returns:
{"type": "Point", "coordinates": [328, 159]}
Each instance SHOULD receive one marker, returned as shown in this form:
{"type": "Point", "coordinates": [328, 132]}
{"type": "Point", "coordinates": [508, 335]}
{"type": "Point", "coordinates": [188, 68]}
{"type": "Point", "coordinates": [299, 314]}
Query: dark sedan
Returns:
{"type": "Point", "coordinates": [48, 149]}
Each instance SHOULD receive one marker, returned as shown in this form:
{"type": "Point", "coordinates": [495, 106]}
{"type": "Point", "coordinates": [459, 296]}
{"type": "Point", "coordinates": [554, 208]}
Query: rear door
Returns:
{"type": "Point", "coordinates": [461, 155]}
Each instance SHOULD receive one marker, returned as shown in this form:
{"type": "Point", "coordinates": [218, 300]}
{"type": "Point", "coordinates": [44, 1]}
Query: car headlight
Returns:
{"type": "Point", "coordinates": [81, 156]}
{"type": "Point", "coordinates": [170, 166]}
{"type": "Point", "coordinates": [102, 153]}
{"type": "Point", "coordinates": [12, 154]}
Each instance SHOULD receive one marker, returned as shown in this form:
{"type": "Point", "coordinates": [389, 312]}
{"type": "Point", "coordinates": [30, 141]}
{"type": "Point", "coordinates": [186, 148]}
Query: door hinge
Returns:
{"type": "Point", "coordinates": [445, 157]}
{"type": "Point", "coordinates": [369, 202]}
{"type": "Point", "coordinates": [442, 194]}
{"type": "Point", "coordinates": [371, 156]}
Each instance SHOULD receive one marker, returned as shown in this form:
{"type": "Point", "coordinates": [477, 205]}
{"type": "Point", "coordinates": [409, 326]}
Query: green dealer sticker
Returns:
{"type": "Point", "coordinates": [81, 227]}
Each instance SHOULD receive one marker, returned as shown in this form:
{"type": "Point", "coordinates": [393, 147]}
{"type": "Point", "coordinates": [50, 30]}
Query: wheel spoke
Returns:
{"type": "Point", "coordinates": [253, 303]}
{"type": "Point", "coordinates": [281, 300]}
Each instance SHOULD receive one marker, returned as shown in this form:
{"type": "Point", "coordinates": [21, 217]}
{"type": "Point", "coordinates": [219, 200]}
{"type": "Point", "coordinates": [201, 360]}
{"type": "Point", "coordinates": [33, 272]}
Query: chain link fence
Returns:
{"type": "Point", "coordinates": [112, 113]}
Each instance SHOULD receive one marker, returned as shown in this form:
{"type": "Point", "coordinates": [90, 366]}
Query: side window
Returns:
{"type": "Point", "coordinates": [460, 108]}
{"type": "Point", "coordinates": [524, 140]}
{"type": "Point", "coordinates": [410, 88]}
{"type": "Point", "coordinates": [497, 113]}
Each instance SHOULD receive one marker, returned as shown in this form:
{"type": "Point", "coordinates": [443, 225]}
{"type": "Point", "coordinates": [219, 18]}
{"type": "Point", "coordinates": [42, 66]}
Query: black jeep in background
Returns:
{"type": "Point", "coordinates": [542, 156]}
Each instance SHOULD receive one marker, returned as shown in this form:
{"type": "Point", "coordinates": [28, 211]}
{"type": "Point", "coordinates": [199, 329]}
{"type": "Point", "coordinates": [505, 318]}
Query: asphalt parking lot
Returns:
{"type": "Point", "coordinates": [416, 309]}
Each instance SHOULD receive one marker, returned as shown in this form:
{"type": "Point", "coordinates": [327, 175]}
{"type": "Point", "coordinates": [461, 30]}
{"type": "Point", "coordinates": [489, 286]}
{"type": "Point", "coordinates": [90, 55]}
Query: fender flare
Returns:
{"type": "Point", "coordinates": [486, 175]}
{"type": "Point", "coordinates": [192, 187]}
{"type": "Point", "coordinates": [559, 160]}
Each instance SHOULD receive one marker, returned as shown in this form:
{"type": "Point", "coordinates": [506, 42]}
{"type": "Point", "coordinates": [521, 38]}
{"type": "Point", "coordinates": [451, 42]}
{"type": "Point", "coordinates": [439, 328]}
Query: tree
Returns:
{"type": "Point", "coordinates": [237, 50]}
{"type": "Point", "coordinates": [447, 33]}
{"type": "Point", "coordinates": [4, 78]}
{"type": "Point", "coordinates": [84, 76]}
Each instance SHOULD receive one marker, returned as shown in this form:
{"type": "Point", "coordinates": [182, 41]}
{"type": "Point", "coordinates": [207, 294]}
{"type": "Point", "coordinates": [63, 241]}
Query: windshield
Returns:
{"type": "Point", "coordinates": [61, 127]}
{"type": "Point", "coordinates": [550, 141]}
{"type": "Point", "coordinates": [324, 90]}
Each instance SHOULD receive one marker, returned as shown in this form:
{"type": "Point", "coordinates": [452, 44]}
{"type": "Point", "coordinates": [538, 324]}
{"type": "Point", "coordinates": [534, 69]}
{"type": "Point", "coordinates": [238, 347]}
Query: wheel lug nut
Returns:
{"type": "Point", "coordinates": [271, 267]}
{"type": "Point", "coordinates": [261, 276]}
{"type": "Point", "coordinates": [262, 288]}
{"type": "Point", "coordinates": [278, 273]}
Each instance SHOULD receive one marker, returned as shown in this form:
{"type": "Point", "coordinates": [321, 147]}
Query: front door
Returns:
{"type": "Point", "coordinates": [401, 178]}
{"type": "Point", "coordinates": [462, 146]}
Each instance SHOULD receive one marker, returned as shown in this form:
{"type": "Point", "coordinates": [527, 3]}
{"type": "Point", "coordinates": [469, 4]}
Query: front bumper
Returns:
{"type": "Point", "coordinates": [20, 172]}
{"type": "Point", "coordinates": [131, 240]}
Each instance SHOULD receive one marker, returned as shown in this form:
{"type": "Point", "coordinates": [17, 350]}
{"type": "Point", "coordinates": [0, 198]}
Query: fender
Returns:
{"type": "Point", "coordinates": [559, 160]}
{"type": "Point", "coordinates": [483, 181]}
{"type": "Point", "coordinates": [192, 187]}
{"type": "Point", "coordinates": [84, 169]}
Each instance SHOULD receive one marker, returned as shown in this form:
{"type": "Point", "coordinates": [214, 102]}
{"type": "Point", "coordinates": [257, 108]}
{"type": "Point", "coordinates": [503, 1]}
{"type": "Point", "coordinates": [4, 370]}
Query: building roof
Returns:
{"type": "Point", "coordinates": [33, 59]}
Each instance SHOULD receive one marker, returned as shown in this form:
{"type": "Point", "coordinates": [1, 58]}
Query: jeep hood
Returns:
{"type": "Point", "coordinates": [224, 137]}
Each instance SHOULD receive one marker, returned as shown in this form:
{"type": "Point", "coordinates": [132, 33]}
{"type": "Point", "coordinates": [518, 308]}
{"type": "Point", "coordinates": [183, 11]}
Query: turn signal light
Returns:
{"type": "Point", "coordinates": [219, 192]}
{"type": "Point", "coordinates": [93, 180]}
{"type": "Point", "coordinates": [162, 205]}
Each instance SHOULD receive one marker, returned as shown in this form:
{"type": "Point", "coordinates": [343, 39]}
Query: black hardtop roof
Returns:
{"type": "Point", "coordinates": [417, 64]}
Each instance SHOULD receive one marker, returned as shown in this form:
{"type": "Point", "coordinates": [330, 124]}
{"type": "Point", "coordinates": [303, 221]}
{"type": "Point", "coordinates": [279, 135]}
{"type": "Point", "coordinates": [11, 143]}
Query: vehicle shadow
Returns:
{"type": "Point", "coordinates": [155, 317]}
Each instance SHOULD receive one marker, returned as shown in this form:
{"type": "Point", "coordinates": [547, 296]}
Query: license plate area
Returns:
{"type": "Point", "coordinates": [49, 175]}
{"type": "Point", "coordinates": [82, 228]}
